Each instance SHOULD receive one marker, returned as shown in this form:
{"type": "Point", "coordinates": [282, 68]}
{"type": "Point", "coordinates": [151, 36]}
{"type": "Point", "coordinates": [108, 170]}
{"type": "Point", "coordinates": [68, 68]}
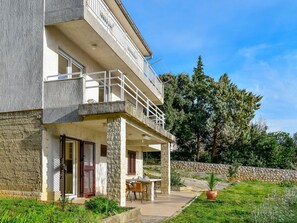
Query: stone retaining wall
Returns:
{"type": "Point", "coordinates": [244, 172]}
{"type": "Point", "coordinates": [20, 153]}
{"type": "Point", "coordinates": [131, 216]}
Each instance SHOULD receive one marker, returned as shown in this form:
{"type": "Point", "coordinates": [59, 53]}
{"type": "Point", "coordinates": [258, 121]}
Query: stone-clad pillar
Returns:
{"type": "Point", "coordinates": [116, 159]}
{"type": "Point", "coordinates": [165, 168]}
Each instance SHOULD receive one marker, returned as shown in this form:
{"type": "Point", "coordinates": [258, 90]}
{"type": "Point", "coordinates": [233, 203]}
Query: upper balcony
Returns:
{"type": "Point", "coordinates": [99, 31]}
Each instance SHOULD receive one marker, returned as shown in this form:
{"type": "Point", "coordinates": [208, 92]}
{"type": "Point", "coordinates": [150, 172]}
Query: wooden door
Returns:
{"type": "Point", "coordinates": [63, 166]}
{"type": "Point", "coordinates": [88, 180]}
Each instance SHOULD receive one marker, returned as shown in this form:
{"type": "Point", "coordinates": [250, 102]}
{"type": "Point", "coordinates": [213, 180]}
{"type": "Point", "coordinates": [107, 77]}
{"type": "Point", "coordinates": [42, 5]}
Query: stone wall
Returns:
{"type": "Point", "coordinates": [244, 172]}
{"type": "Point", "coordinates": [130, 216]}
{"type": "Point", "coordinates": [20, 153]}
{"type": "Point", "coordinates": [116, 160]}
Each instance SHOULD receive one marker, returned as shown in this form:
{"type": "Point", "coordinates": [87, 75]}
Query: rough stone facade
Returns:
{"type": "Point", "coordinates": [20, 153]}
{"type": "Point", "coordinates": [131, 216]}
{"type": "Point", "coordinates": [116, 160]}
{"type": "Point", "coordinates": [244, 172]}
{"type": "Point", "coordinates": [165, 168]}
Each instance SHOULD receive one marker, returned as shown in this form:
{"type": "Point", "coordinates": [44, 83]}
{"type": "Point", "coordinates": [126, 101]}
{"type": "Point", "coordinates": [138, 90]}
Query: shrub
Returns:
{"type": "Point", "coordinates": [287, 183]}
{"type": "Point", "coordinates": [277, 208]}
{"type": "Point", "coordinates": [175, 179]}
{"type": "Point", "coordinates": [233, 170]}
{"type": "Point", "coordinates": [103, 205]}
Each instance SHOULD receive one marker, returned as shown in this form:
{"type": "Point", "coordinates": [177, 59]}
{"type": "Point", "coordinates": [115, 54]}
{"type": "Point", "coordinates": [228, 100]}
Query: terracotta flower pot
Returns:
{"type": "Point", "coordinates": [211, 194]}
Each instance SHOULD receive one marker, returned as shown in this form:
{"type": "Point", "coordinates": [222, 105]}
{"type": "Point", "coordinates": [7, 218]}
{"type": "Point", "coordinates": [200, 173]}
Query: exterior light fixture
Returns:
{"type": "Point", "coordinates": [146, 137]}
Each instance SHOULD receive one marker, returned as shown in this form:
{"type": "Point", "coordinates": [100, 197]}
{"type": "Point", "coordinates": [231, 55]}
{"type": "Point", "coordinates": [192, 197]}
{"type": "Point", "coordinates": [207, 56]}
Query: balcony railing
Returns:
{"type": "Point", "coordinates": [115, 29]}
{"type": "Point", "coordinates": [111, 86]}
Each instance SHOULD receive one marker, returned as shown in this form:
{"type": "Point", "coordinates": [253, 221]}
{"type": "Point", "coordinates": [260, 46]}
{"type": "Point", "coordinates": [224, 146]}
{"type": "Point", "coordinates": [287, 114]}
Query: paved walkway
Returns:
{"type": "Point", "coordinates": [164, 206]}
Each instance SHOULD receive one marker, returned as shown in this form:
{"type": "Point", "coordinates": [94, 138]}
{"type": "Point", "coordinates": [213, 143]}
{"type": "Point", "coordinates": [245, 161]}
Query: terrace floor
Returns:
{"type": "Point", "coordinates": [164, 206]}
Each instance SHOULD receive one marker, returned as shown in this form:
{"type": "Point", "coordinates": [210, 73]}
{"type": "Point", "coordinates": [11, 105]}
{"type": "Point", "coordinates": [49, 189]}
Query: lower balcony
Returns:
{"type": "Point", "coordinates": [67, 97]}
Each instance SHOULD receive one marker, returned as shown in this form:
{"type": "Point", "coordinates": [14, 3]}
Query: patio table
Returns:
{"type": "Point", "coordinates": [151, 185]}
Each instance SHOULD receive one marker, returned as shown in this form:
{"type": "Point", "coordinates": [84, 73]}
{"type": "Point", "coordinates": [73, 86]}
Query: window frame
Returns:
{"type": "Point", "coordinates": [103, 150]}
{"type": "Point", "coordinates": [71, 61]}
{"type": "Point", "coordinates": [131, 162]}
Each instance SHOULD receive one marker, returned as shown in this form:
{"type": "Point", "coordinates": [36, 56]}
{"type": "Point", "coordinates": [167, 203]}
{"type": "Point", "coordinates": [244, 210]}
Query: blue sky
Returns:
{"type": "Point", "coordinates": [254, 41]}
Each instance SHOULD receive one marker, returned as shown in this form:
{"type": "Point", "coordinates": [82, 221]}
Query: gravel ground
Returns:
{"type": "Point", "coordinates": [201, 185]}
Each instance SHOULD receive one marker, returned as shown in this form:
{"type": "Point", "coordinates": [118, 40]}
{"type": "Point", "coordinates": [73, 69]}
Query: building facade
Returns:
{"type": "Point", "coordinates": [78, 100]}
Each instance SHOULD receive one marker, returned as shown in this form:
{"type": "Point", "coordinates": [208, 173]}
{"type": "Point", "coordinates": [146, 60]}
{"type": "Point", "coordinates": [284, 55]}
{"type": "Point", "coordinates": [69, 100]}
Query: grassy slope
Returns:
{"type": "Point", "coordinates": [234, 204]}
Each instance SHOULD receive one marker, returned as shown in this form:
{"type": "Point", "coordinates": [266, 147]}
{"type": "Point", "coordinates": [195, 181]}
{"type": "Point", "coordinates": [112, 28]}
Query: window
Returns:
{"type": "Point", "coordinates": [131, 163]}
{"type": "Point", "coordinates": [68, 65]}
{"type": "Point", "coordinates": [103, 151]}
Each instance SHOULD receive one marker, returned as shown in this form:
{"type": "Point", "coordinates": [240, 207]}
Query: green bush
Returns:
{"type": "Point", "coordinates": [287, 183]}
{"type": "Point", "coordinates": [277, 208]}
{"type": "Point", "coordinates": [175, 179]}
{"type": "Point", "coordinates": [103, 205]}
{"type": "Point", "coordinates": [233, 170]}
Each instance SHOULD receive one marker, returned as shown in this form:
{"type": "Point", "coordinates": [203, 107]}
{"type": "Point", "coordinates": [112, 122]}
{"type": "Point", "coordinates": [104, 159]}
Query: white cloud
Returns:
{"type": "Point", "coordinates": [275, 78]}
{"type": "Point", "coordinates": [250, 52]}
{"type": "Point", "coordinates": [286, 125]}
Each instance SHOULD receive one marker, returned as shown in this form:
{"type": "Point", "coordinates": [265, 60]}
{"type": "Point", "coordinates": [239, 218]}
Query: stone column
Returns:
{"type": "Point", "coordinates": [116, 160]}
{"type": "Point", "coordinates": [165, 168]}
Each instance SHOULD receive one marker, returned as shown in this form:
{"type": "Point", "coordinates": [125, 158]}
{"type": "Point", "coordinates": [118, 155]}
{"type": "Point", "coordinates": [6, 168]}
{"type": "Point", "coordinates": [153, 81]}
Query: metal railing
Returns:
{"type": "Point", "coordinates": [115, 29]}
{"type": "Point", "coordinates": [111, 86]}
{"type": "Point", "coordinates": [60, 77]}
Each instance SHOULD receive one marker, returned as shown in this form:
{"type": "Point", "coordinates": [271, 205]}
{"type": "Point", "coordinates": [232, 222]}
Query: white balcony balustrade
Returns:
{"type": "Point", "coordinates": [111, 86]}
{"type": "Point", "coordinates": [106, 18]}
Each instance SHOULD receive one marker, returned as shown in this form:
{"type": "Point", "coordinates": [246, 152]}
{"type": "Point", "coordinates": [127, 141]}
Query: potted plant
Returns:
{"type": "Point", "coordinates": [212, 194]}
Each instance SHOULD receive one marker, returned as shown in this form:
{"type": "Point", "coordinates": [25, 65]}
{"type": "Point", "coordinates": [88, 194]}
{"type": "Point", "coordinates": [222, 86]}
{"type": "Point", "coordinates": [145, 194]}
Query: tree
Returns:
{"type": "Point", "coordinates": [204, 113]}
{"type": "Point", "coordinates": [263, 149]}
{"type": "Point", "coordinates": [232, 110]}
{"type": "Point", "coordinates": [200, 105]}
{"type": "Point", "coordinates": [177, 104]}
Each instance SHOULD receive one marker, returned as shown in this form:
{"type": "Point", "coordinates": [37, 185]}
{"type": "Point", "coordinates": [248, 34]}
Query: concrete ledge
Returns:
{"type": "Point", "coordinates": [93, 111]}
{"type": "Point", "coordinates": [130, 216]}
{"type": "Point", "coordinates": [57, 11]}
{"type": "Point", "coordinates": [61, 115]}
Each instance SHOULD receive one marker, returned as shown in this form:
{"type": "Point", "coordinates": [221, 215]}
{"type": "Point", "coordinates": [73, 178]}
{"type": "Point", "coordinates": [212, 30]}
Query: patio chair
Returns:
{"type": "Point", "coordinates": [138, 187]}
{"type": "Point", "coordinates": [129, 188]}
{"type": "Point", "coordinates": [157, 187]}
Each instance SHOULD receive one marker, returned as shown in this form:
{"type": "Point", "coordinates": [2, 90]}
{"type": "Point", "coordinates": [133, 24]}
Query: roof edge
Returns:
{"type": "Point", "coordinates": [129, 19]}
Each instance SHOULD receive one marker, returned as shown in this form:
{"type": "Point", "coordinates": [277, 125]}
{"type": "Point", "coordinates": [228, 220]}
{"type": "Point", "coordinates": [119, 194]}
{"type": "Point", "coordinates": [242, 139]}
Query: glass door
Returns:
{"type": "Point", "coordinates": [88, 169]}
{"type": "Point", "coordinates": [71, 168]}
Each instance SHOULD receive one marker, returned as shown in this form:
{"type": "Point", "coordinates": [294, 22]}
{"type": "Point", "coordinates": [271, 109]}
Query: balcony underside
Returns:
{"type": "Point", "coordinates": [84, 36]}
{"type": "Point", "coordinates": [101, 111]}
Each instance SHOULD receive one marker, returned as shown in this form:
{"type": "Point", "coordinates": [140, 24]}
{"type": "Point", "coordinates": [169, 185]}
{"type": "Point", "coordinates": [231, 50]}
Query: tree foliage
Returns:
{"type": "Point", "coordinates": [211, 120]}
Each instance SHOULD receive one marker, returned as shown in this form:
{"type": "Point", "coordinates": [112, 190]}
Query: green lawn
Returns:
{"type": "Point", "coordinates": [16, 210]}
{"type": "Point", "coordinates": [234, 204]}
